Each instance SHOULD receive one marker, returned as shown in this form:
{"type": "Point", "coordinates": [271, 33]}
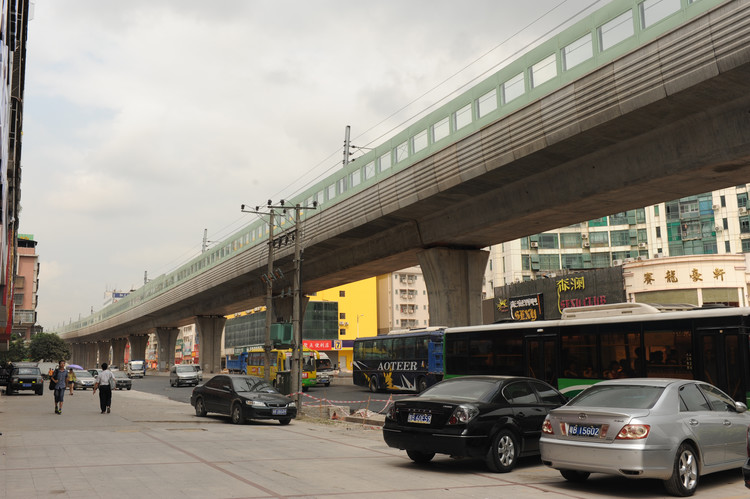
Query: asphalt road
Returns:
{"type": "Point", "coordinates": [341, 393]}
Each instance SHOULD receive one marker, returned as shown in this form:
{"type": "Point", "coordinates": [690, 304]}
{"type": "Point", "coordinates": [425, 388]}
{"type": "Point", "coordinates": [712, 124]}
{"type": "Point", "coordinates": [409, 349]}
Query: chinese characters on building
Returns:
{"type": "Point", "coordinates": [671, 276]}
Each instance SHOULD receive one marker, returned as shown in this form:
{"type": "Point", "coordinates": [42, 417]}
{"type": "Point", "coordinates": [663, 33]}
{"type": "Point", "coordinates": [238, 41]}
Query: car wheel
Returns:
{"type": "Point", "coordinates": [327, 385]}
{"type": "Point", "coordinates": [285, 421]}
{"type": "Point", "coordinates": [171, 383]}
{"type": "Point", "coordinates": [40, 392]}
{"type": "Point", "coordinates": [236, 414]}
{"type": "Point", "coordinates": [575, 476]}
{"type": "Point", "coordinates": [420, 457]}
{"type": "Point", "coordinates": [684, 479]}
{"type": "Point", "coordinates": [200, 408]}
{"type": "Point", "coordinates": [130, 387]}
{"type": "Point", "coordinates": [503, 453]}
{"type": "Point", "coordinates": [421, 385]}
{"type": "Point", "coordinates": [373, 385]}
{"type": "Point", "coordinates": [305, 388]}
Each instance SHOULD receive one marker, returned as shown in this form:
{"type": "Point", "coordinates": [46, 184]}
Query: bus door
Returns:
{"type": "Point", "coordinates": [722, 360]}
{"type": "Point", "coordinates": [435, 357]}
{"type": "Point", "coordinates": [541, 357]}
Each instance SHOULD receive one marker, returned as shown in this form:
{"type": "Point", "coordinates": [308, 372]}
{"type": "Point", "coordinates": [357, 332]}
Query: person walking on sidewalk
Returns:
{"type": "Point", "coordinates": [60, 377]}
{"type": "Point", "coordinates": [104, 382]}
{"type": "Point", "coordinates": [71, 380]}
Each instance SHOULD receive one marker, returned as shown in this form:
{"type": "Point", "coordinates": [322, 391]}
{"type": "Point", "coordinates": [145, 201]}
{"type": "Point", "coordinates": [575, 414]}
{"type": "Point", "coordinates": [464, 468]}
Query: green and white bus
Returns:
{"type": "Point", "coordinates": [589, 344]}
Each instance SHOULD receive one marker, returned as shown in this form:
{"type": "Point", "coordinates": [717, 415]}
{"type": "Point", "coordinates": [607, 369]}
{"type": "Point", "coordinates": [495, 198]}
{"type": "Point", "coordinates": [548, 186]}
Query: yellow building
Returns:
{"type": "Point", "coordinates": [358, 317]}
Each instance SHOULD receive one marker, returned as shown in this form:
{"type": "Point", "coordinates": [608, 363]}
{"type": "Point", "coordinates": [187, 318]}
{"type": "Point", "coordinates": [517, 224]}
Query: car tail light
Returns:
{"type": "Point", "coordinates": [392, 413]}
{"type": "Point", "coordinates": [547, 427]}
{"type": "Point", "coordinates": [633, 432]}
{"type": "Point", "coordinates": [463, 414]}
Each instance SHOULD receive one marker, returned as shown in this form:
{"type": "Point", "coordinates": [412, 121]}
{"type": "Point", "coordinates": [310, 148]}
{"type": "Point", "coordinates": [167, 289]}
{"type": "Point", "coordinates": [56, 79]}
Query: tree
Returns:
{"type": "Point", "coordinates": [17, 351]}
{"type": "Point", "coordinates": [49, 347]}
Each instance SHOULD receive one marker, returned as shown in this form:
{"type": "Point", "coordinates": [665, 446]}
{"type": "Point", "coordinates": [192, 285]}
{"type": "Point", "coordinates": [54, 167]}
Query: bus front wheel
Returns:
{"type": "Point", "coordinates": [421, 385]}
{"type": "Point", "coordinates": [373, 385]}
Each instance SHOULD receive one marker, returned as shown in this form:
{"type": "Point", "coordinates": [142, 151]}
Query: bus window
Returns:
{"type": "Point", "coordinates": [579, 354]}
{"type": "Point", "coordinates": [618, 354]}
{"type": "Point", "coordinates": [668, 353]}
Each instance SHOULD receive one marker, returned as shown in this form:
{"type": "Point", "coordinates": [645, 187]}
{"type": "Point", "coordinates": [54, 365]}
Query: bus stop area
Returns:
{"type": "Point", "coordinates": [150, 446]}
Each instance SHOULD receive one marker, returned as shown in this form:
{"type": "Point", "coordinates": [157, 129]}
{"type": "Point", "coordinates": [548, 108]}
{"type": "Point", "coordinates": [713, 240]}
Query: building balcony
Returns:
{"type": "Point", "coordinates": [24, 317]}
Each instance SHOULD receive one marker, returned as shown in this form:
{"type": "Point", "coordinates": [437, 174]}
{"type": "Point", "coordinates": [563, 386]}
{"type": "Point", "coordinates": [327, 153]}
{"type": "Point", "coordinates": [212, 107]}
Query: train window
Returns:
{"type": "Point", "coordinates": [615, 31]}
{"type": "Point", "coordinates": [462, 117]}
{"type": "Point", "coordinates": [440, 130]}
{"type": "Point", "coordinates": [402, 151]}
{"type": "Point", "coordinates": [369, 170]}
{"type": "Point", "coordinates": [354, 179]}
{"type": "Point", "coordinates": [385, 161]}
{"type": "Point", "coordinates": [577, 52]}
{"type": "Point", "coordinates": [487, 103]}
{"type": "Point", "coordinates": [419, 141]}
{"type": "Point", "coordinates": [653, 11]}
{"type": "Point", "coordinates": [543, 71]}
{"type": "Point", "coordinates": [513, 88]}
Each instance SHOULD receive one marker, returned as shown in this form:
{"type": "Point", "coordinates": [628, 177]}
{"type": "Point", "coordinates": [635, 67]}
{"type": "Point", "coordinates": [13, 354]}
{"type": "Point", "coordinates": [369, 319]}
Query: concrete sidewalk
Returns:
{"type": "Point", "coordinates": [152, 447]}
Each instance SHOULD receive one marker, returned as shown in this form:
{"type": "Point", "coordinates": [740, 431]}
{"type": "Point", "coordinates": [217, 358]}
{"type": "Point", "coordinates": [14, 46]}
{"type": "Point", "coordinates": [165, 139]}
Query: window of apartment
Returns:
{"type": "Point", "coordinates": [600, 260]}
{"type": "Point", "coordinates": [742, 199]}
{"type": "Point", "coordinates": [725, 223]}
{"type": "Point", "coordinates": [342, 315]}
{"type": "Point", "coordinates": [549, 262]}
{"type": "Point", "coordinates": [342, 332]}
{"type": "Point", "coordinates": [570, 240]}
{"type": "Point", "coordinates": [548, 241]}
{"type": "Point", "coordinates": [745, 224]}
{"type": "Point", "coordinates": [342, 293]}
{"type": "Point", "coordinates": [689, 208]}
{"type": "Point", "coordinates": [599, 238]}
{"type": "Point", "coordinates": [656, 210]}
{"type": "Point", "coordinates": [618, 219]}
{"type": "Point", "coordinates": [658, 232]}
{"type": "Point", "coordinates": [723, 201]}
{"type": "Point", "coordinates": [572, 261]}
{"type": "Point", "coordinates": [727, 247]}
{"type": "Point", "coordinates": [620, 237]}
{"type": "Point", "coordinates": [746, 245]}
{"type": "Point", "coordinates": [525, 262]}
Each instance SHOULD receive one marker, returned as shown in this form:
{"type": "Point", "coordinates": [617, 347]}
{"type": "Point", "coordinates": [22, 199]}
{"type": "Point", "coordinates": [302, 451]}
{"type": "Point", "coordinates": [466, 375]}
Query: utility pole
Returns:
{"type": "Point", "coordinates": [347, 145]}
{"type": "Point", "coordinates": [297, 344]}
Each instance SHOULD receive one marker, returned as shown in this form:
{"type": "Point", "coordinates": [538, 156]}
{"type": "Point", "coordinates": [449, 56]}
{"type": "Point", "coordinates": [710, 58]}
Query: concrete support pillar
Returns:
{"type": "Point", "coordinates": [167, 340]}
{"type": "Point", "coordinates": [208, 331]}
{"type": "Point", "coordinates": [454, 285]}
{"type": "Point", "coordinates": [77, 354]}
{"type": "Point", "coordinates": [138, 346]}
{"type": "Point", "coordinates": [103, 352]}
{"type": "Point", "coordinates": [90, 355]}
{"type": "Point", "coordinates": [118, 352]}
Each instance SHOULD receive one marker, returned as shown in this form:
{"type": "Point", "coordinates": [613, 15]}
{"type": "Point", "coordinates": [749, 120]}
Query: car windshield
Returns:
{"type": "Point", "coordinates": [27, 370]}
{"type": "Point", "coordinates": [82, 374]}
{"type": "Point", "coordinates": [463, 389]}
{"type": "Point", "coordinates": [618, 396]}
{"type": "Point", "coordinates": [252, 385]}
{"type": "Point", "coordinates": [185, 369]}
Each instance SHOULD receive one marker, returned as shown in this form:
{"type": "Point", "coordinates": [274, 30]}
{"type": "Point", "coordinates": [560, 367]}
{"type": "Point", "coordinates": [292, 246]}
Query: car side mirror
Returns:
{"type": "Point", "coordinates": [740, 406]}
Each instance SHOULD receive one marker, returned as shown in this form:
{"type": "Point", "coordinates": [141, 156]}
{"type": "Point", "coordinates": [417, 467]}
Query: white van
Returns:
{"type": "Point", "coordinates": [136, 369]}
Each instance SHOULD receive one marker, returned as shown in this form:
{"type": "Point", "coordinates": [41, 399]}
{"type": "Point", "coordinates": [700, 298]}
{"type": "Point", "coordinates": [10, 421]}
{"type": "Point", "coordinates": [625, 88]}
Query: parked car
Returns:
{"type": "Point", "coordinates": [242, 397]}
{"type": "Point", "coordinates": [183, 374]}
{"type": "Point", "coordinates": [84, 379]}
{"type": "Point", "coordinates": [669, 429]}
{"type": "Point", "coordinates": [122, 380]}
{"type": "Point", "coordinates": [498, 418]}
{"type": "Point", "coordinates": [25, 376]}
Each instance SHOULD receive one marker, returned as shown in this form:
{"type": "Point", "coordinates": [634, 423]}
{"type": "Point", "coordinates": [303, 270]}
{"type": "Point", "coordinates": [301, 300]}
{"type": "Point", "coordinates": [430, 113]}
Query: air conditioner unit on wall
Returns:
{"type": "Point", "coordinates": [743, 211]}
{"type": "Point", "coordinates": [534, 244]}
{"type": "Point", "coordinates": [641, 245]}
{"type": "Point", "coordinates": [616, 262]}
{"type": "Point", "coordinates": [716, 207]}
{"type": "Point", "coordinates": [586, 244]}
{"type": "Point", "coordinates": [584, 236]}
{"type": "Point", "coordinates": [718, 229]}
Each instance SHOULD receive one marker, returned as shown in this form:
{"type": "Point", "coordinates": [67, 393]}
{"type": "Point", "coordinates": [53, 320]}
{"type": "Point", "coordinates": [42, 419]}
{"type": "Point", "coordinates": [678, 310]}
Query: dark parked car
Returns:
{"type": "Point", "coordinates": [25, 377]}
{"type": "Point", "coordinates": [122, 380]}
{"type": "Point", "coordinates": [242, 397]}
{"type": "Point", "coordinates": [498, 418]}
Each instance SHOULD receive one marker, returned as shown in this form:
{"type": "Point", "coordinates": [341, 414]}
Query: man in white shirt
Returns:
{"type": "Point", "coordinates": [104, 382]}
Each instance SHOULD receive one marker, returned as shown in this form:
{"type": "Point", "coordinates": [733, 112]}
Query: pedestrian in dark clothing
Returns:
{"type": "Point", "coordinates": [104, 382]}
{"type": "Point", "coordinates": [60, 377]}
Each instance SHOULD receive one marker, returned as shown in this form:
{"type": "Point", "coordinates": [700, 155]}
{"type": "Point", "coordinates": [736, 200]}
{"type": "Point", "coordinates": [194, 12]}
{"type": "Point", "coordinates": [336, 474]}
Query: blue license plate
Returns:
{"type": "Point", "coordinates": [578, 430]}
{"type": "Point", "coordinates": [416, 417]}
{"type": "Point", "coordinates": [27, 384]}
{"type": "Point", "coordinates": [278, 412]}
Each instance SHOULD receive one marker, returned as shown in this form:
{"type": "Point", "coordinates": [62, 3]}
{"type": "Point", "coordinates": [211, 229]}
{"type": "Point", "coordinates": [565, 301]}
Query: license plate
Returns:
{"type": "Point", "coordinates": [27, 384]}
{"type": "Point", "coordinates": [415, 417]}
{"type": "Point", "coordinates": [278, 412]}
{"type": "Point", "coordinates": [577, 430]}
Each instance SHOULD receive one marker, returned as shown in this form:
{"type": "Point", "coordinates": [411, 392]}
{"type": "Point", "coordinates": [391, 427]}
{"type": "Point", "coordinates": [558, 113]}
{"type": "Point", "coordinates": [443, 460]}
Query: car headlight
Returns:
{"type": "Point", "coordinates": [291, 404]}
{"type": "Point", "coordinates": [255, 403]}
{"type": "Point", "coordinates": [463, 414]}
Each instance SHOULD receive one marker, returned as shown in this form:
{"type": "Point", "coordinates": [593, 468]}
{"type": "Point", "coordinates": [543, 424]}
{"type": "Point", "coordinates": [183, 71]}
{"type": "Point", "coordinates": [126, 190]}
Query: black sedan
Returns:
{"type": "Point", "coordinates": [243, 398]}
{"type": "Point", "coordinates": [498, 418]}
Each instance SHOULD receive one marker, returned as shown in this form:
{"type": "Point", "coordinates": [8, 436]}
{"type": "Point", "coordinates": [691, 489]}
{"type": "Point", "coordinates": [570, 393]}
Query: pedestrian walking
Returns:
{"type": "Point", "coordinates": [71, 380]}
{"type": "Point", "coordinates": [104, 382]}
{"type": "Point", "coordinates": [60, 377]}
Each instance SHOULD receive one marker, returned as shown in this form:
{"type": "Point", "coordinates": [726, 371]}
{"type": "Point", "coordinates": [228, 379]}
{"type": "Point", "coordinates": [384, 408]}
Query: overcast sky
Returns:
{"type": "Point", "coordinates": [146, 122]}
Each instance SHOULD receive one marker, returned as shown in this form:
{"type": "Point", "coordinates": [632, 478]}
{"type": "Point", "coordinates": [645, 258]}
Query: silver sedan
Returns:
{"type": "Point", "coordinates": [673, 430]}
